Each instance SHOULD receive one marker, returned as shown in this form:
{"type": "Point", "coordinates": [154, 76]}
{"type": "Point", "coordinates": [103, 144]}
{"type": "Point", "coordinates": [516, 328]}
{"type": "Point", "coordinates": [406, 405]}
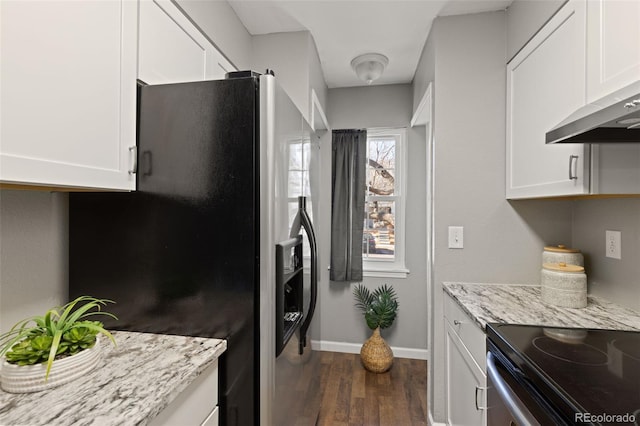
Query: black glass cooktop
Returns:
{"type": "Point", "coordinates": [594, 372]}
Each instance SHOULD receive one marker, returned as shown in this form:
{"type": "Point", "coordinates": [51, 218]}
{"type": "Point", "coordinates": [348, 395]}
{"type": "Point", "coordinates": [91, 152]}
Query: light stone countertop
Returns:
{"type": "Point", "coordinates": [522, 304]}
{"type": "Point", "coordinates": [132, 383]}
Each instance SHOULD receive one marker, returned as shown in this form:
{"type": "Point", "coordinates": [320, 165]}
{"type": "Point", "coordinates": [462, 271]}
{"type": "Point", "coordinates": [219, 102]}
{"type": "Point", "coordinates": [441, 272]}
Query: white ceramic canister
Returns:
{"type": "Point", "coordinates": [564, 285]}
{"type": "Point", "coordinates": [561, 253]}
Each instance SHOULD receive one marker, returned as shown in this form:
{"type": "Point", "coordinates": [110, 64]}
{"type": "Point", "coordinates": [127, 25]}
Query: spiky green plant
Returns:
{"type": "Point", "coordinates": [61, 331]}
{"type": "Point", "coordinates": [379, 307]}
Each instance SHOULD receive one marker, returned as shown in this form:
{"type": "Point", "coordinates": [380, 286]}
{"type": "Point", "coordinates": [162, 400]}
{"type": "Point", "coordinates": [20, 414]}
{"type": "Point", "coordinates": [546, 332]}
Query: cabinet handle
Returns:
{"type": "Point", "coordinates": [478, 388]}
{"type": "Point", "coordinates": [573, 167]}
{"type": "Point", "coordinates": [134, 166]}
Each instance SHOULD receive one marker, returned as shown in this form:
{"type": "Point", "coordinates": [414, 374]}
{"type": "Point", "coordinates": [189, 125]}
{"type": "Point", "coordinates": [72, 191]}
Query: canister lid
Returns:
{"type": "Point", "coordinates": [562, 267]}
{"type": "Point", "coordinates": [561, 248]}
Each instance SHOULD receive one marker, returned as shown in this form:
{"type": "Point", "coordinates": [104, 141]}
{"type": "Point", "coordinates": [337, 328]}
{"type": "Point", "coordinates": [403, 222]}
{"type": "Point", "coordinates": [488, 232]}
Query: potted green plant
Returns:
{"type": "Point", "coordinates": [42, 352]}
{"type": "Point", "coordinates": [380, 309]}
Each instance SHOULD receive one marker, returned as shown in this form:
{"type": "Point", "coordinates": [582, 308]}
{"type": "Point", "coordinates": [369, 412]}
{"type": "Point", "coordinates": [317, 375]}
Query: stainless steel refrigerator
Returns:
{"type": "Point", "coordinates": [193, 250]}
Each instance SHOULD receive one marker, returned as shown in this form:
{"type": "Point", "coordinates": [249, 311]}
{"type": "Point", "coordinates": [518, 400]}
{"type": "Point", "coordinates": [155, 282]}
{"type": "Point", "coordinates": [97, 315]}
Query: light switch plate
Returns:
{"type": "Point", "coordinates": [456, 237]}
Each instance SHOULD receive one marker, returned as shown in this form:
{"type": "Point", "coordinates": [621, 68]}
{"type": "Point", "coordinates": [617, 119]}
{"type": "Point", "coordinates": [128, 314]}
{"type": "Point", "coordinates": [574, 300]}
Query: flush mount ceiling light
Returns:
{"type": "Point", "coordinates": [370, 66]}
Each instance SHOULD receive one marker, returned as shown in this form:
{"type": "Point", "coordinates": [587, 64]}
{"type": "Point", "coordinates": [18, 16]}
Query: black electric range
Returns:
{"type": "Point", "coordinates": [570, 376]}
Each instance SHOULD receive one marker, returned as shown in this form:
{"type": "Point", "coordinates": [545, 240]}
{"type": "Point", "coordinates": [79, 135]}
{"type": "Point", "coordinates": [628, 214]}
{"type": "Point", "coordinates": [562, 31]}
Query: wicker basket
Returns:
{"type": "Point", "coordinates": [375, 354]}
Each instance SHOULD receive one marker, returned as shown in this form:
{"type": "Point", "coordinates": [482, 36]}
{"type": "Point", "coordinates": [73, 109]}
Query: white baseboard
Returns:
{"type": "Point", "coordinates": [410, 353]}
{"type": "Point", "coordinates": [325, 345]}
{"type": "Point", "coordinates": [354, 348]}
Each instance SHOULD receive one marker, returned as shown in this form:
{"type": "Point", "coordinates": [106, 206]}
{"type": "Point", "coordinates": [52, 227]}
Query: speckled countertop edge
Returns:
{"type": "Point", "coordinates": [522, 304]}
{"type": "Point", "coordinates": [132, 384]}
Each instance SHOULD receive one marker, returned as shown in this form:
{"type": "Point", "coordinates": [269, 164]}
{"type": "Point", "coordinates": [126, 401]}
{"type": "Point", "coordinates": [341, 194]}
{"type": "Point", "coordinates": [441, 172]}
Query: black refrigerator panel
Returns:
{"type": "Point", "coordinates": [180, 255]}
{"type": "Point", "coordinates": [236, 386]}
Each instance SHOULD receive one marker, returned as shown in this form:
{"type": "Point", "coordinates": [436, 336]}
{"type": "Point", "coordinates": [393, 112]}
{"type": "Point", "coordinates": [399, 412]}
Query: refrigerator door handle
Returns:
{"type": "Point", "coordinates": [302, 220]}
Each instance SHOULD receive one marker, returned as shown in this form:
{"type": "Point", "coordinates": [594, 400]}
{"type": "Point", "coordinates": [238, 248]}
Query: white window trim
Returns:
{"type": "Point", "coordinates": [302, 141]}
{"type": "Point", "coordinates": [386, 268]}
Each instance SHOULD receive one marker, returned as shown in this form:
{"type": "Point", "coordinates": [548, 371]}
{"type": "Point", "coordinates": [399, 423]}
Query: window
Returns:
{"type": "Point", "coordinates": [383, 236]}
{"type": "Point", "coordinates": [299, 155]}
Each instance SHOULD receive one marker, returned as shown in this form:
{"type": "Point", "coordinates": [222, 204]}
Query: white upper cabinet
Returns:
{"type": "Point", "coordinates": [172, 49]}
{"type": "Point", "coordinates": [588, 50]}
{"type": "Point", "coordinates": [68, 93]}
{"type": "Point", "coordinates": [68, 85]}
{"type": "Point", "coordinates": [546, 83]}
{"type": "Point", "coordinates": [613, 43]}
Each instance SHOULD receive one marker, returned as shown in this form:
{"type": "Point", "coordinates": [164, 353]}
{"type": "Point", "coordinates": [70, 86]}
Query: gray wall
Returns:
{"type": "Point", "coordinates": [286, 54]}
{"type": "Point", "coordinates": [613, 279]}
{"type": "Point", "coordinates": [503, 240]}
{"type": "Point", "coordinates": [316, 75]}
{"type": "Point", "coordinates": [425, 71]}
{"type": "Point", "coordinates": [370, 106]}
{"type": "Point", "coordinates": [525, 18]}
{"type": "Point", "coordinates": [221, 24]}
{"type": "Point", "coordinates": [379, 106]}
{"type": "Point", "coordinates": [33, 254]}
{"type": "Point", "coordinates": [294, 59]}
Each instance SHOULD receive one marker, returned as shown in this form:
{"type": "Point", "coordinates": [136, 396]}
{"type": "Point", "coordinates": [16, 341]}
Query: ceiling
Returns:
{"type": "Point", "coordinates": [344, 29]}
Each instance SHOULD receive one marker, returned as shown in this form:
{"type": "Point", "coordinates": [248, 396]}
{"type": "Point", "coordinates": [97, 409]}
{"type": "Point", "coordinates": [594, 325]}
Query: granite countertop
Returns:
{"type": "Point", "coordinates": [132, 384]}
{"type": "Point", "coordinates": [522, 304]}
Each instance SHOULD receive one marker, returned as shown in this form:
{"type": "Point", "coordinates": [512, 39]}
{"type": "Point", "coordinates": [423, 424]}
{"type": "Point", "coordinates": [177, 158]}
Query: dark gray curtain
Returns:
{"type": "Point", "coordinates": [347, 203]}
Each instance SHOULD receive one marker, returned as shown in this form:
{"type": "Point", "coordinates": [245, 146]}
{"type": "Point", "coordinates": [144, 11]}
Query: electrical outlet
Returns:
{"type": "Point", "coordinates": [613, 247]}
{"type": "Point", "coordinates": [456, 237]}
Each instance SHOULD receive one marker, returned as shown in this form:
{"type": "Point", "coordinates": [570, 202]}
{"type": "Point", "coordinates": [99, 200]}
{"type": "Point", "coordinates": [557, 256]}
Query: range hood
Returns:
{"type": "Point", "coordinates": [610, 120]}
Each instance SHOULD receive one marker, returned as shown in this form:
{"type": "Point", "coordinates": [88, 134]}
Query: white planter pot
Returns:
{"type": "Point", "coordinates": [30, 378]}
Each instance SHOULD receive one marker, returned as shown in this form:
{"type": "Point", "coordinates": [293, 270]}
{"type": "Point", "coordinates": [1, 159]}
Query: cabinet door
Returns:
{"type": "Point", "coordinates": [172, 48]}
{"type": "Point", "coordinates": [546, 83]}
{"type": "Point", "coordinates": [68, 104]}
{"type": "Point", "coordinates": [213, 419]}
{"type": "Point", "coordinates": [466, 384]}
{"type": "Point", "coordinates": [196, 405]}
{"type": "Point", "coordinates": [613, 46]}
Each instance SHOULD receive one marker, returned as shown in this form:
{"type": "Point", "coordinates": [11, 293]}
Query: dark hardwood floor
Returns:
{"type": "Point", "coordinates": [350, 395]}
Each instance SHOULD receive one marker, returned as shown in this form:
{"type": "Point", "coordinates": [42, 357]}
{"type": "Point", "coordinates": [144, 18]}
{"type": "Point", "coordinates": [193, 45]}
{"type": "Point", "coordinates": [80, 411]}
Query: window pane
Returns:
{"type": "Point", "coordinates": [381, 166]}
{"type": "Point", "coordinates": [306, 154]}
{"type": "Point", "coordinates": [378, 240]}
{"type": "Point", "coordinates": [298, 177]}
{"type": "Point", "coordinates": [295, 156]}
{"type": "Point", "coordinates": [306, 185]}
{"type": "Point", "coordinates": [295, 183]}
{"type": "Point", "coordinates": [293, 211]}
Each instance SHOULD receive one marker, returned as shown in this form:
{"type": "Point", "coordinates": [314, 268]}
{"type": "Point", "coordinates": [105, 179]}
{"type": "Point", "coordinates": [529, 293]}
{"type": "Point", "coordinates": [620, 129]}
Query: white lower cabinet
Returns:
{"type": "Point", "coordinates": [196, 405]}
{"type": "Point", "coordinates": [213, 419]}
{"type": "Point", "coordinates": [466, 378]}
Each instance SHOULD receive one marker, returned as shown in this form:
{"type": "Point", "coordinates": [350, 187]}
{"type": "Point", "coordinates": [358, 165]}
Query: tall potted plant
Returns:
{"type": "Point", "coordinates": [380, 309]}
{"type": "Point", "coordinates": [42, 352]}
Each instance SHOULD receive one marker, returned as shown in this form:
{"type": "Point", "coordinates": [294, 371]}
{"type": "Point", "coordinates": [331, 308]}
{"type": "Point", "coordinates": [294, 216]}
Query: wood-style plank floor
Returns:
{"type": "Point", "coordinates": [350, 395]}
